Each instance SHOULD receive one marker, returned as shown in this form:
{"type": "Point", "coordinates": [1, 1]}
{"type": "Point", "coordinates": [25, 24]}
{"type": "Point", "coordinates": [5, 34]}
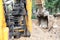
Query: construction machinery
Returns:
{"type": "Point", "coordinates": [15, 18]}
{"type": "Point", "coordinates": [42, 15]}
{"type": "Point", "coordinates": [45, 20]}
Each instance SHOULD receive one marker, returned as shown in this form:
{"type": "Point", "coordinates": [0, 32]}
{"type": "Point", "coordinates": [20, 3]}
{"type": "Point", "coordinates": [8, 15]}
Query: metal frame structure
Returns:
{"type": "Point", "coordinates": [4, 30]}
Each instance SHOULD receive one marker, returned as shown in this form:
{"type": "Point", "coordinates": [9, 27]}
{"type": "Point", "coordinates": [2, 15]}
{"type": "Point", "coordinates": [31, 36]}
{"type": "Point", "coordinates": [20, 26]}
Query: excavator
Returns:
{"type": "Point", "coordinates": [42, 14]}
{"type": "Point", "coordinates": [15, 18]}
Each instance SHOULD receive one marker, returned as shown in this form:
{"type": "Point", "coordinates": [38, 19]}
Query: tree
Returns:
{"type": "Point", "coordinates": [53, 6]}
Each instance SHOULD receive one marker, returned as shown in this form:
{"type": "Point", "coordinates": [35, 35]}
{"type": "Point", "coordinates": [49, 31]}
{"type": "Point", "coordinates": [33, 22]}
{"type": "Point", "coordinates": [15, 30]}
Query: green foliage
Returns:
{"type": "Point", "coordinates": [53, 6]}
{"type": "Point", "coordinates": [33, 4]}
{"type": "Point", "coordinates": [33, 16]}
{"type": "Point", "coordinates": [34, 8]}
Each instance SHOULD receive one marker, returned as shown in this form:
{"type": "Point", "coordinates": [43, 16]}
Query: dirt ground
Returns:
{"type": "Point", "coordinates": [43, 34]}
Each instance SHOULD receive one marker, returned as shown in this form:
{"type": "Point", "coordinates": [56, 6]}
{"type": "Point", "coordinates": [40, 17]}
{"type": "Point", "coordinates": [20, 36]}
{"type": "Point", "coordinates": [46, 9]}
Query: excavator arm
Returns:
{"type": "Point", "coordinates": [28, 18]}
{"type": "Point", "coordinates": [3, 29]}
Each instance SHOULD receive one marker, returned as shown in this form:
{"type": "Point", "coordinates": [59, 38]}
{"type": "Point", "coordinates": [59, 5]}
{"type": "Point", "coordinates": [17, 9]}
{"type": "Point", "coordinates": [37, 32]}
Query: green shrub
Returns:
{"type": "Point", "coordinates": [53, 6]}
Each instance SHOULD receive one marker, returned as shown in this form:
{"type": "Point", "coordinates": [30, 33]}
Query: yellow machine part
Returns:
{"type": "Point", "coordinates": [1, 33]}
{"type": "Point", "coordinates": [28, 18]}
{"type": "Point", "coordinates": [4, 31]}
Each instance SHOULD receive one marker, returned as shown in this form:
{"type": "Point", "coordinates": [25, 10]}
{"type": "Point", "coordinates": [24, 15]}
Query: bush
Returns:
{"type": "Point", "coordinates": [53, 6]}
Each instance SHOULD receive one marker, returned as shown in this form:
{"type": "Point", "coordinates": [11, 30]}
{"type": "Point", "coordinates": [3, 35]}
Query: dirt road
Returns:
{"type": "Point", "coordinates": [40, 34]}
